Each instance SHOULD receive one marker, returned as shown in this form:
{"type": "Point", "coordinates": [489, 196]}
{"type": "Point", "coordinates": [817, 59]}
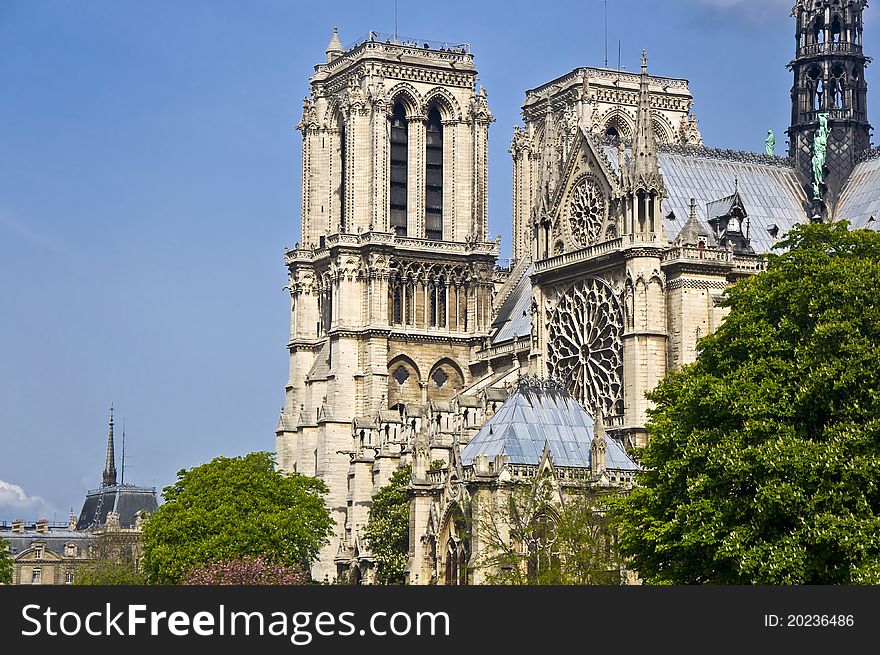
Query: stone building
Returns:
{"type": "Point", "coordinates": [407, 336]}
{"type": "Point", "coordinates": [108, 526]}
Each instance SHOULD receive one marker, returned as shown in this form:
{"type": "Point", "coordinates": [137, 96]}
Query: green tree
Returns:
{"type": "Point", "coordinates": [5, 563]}
{"type": "Point", "coordinates": [763, 456]}
{"type": "Point", "coordinates": [113, 561]}
{"type": "Point", "coordinates": [231, 508]}
{"type": "Point", "coordinates": [387, 530]}
{"type": "Point", "coordinates": [530, 540]}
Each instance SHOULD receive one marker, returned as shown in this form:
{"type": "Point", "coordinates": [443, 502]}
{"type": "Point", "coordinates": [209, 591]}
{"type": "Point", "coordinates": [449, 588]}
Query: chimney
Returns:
{"type": "Point", "coordinates": [18, 526]}
{"type": "Point", "coordinates": [43, 526]}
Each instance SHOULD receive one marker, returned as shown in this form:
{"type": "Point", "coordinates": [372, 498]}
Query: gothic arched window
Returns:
{"type": "Point", "coordinates": [342, 180]}
{"type": "Point", "coordinates": [836, 29]}
{"type": "Point", "coordinates": [451, 563]}
{"type": "Point", "coordinates": [399, 168]}
{"type": "Point", "coordinates": [434, 176]}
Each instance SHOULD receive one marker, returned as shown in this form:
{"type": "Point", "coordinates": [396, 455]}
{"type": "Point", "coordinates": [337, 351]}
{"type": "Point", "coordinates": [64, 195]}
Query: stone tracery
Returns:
{"type": "Point", "coordinates": [586, 212]}
{"type": "Point", "coordinates": [585, 346]}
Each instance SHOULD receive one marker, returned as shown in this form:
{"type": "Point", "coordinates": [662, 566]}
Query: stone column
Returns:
{"type": "Point", "coordinates": [415, 201]}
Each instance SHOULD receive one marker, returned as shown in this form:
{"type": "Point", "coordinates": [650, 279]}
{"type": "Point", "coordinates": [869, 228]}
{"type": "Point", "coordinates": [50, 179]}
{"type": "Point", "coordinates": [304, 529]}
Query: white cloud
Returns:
{"type": "Point", "coordinates": [15, 503]}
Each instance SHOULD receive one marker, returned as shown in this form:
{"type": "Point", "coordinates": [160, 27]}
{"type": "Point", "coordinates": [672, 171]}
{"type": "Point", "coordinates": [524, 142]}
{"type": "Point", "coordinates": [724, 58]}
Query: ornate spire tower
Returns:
{"type": "Point", "coordinates": [829, 78]}
{"type": "Point", "coordinates": [642, 187]}
{"type": "Point", "coordinates": [109, 478]}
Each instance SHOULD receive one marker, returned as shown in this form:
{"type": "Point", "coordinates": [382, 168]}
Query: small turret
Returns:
{"type": "Point", "coordinates": [334, 48]}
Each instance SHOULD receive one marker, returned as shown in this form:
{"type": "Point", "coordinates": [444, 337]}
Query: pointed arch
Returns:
{"type": "Point", "coordinates": [445, 102]}
{"type": "Point", "coordinates": [619, 124]}
{"type": "Point", "coordinates": [408, 96]}
{"type": "Point", "coordinates": [404, 381]}
{"type": "Point", "coordinates": [445, 380]}
{"type": "Point", "coordinates": [662, 129]}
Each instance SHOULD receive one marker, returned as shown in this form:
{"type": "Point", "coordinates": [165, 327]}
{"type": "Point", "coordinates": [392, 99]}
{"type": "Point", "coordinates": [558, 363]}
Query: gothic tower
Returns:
{"type": "Point", "coordinates": [642, 191]}
{"type": "Point", "coordinates": [829, 77]}
{"type": "Point", "coordinates": [391, 285]}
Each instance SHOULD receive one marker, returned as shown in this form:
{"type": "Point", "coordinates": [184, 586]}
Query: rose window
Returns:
{"type": "Point", "coordinates": [586, 212]}
{"type": "Point", "coordinates": [585, 347]}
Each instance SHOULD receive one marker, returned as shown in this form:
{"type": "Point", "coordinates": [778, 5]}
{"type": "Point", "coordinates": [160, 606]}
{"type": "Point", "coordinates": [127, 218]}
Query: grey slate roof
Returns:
{"type": "Point", "coordinates": [124, 499]}
{"type": "Point", "coordinates": [54, 539]}
{"type": "Point", "coordinates": [860, 200]}
{"type": "Point", "coordinates": [770, 192]}
{"type": "Point", "coordinates": [514, 317]}
{"type": "Point", "coordinates": [534, 416]}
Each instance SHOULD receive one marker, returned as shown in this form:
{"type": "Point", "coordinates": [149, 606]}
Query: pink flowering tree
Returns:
{"type": "Point", "coordinates": [247, 571]}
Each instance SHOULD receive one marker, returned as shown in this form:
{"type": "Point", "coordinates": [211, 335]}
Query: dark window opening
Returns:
{"type": "Point", "coordinates": [835, 29]}
{"type": "Point", "coordinates": [342, 179]}
{"type": "Point", "coordinates": [399, 172]}
{"type": "Point", "coordinates": [434, 176]}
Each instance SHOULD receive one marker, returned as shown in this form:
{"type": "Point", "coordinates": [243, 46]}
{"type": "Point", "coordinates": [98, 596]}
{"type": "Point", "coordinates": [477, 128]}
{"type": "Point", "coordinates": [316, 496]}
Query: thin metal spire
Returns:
{"type": "Point", "coordinates": [122, 478]}
{"type": "Point", "coordinates": [109, 477]}
{"type": "Point", "coordinates": [606, 33]}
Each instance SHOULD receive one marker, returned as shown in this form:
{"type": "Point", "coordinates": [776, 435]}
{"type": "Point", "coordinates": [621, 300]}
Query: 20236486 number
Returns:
{"type": "Point", "coordinates": [809, 620]}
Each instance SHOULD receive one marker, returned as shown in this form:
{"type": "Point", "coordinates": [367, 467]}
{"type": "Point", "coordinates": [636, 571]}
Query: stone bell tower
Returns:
{"type": "Point", "coordinates": [829, 78]}
{"type": "Point", "coordinates": [391, 284]}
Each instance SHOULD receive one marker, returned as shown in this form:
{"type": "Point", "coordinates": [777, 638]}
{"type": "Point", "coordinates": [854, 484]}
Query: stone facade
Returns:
{"type": "Point", "coordinates": [392, 285]}
{"type": "Point", "coordinates": [108, 526]}
{"type": "Point", "coordinates": [407, 336]}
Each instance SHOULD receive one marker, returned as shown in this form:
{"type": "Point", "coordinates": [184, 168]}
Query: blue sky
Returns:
{"type": "Point", "coordinates": [149, 181]}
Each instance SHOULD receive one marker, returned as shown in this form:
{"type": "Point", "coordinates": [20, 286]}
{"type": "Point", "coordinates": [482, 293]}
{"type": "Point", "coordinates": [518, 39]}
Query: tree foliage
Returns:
{"type": "Point", "coordinates": [530, 540]}
{"type": "Point", "coordinates": [6, 563]}
{"type": "Point", "coordinates": [114, 561]}
{"type": "Point", "coordinates": [247, 571]}
{"type": "Point", "coordinates": [387, 530]}
{"type": "Point", "coordinates": [763, 457]}
{"type": "Point", "coordinates": [231, 508]}
{"type": "Point", "coordinates": [108, 572]}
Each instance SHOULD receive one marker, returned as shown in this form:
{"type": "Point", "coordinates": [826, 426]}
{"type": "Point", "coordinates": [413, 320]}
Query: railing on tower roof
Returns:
{"type": "Point", "coordinates": [397, 39]}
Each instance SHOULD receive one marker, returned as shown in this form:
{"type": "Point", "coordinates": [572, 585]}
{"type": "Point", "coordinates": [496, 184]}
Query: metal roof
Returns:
{"type": "Point", "coordinates": [55, 540]}
{"type": "Point", "coordinates": [860, 200]}
{"type": "Point", "coordinates": [514, 318]}
{"type": "Point", "coordinates": [538, 415]}
{"type": "Point", "coordinates": [124, 499]}
{"type": "Point", "coordinates": [770, 191]}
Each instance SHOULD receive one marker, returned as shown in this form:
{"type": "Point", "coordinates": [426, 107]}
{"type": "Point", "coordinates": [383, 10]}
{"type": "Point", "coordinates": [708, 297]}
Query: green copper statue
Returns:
{"type": "Point", "coordinates": [770, 143]}
{"type": "Point", "coordinates": [820, 152]}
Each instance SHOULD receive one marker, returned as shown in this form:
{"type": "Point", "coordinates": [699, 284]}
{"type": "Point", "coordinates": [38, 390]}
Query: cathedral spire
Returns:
{"type": "Point", "coordinates": [643, 189]}
{"type": "Point", "coordinates": [109, 478]}
{"type": "Point", "coordinates": [645, 168]}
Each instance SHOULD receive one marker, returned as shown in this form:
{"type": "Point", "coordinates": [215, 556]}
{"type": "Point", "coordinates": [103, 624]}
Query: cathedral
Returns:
{"type": "Point", "coordinates": [411, 343]}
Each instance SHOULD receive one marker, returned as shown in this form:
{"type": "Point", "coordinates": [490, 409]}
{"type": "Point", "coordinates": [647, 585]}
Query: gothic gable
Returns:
{"type": "Point", "coordinates": [582, 211]}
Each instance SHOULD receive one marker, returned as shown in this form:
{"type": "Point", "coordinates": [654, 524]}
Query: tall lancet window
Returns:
{"type": "Point", "coordinates": [399, 174]}
{"type": "Point", "coordinates": [434, 176]}
{"type": "Point", "coordinates": [342, 177]}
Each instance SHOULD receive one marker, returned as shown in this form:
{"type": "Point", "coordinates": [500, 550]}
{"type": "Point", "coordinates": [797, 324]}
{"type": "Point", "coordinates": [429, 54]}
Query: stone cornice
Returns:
{"type": "Point", "coordinates": [356, 242]}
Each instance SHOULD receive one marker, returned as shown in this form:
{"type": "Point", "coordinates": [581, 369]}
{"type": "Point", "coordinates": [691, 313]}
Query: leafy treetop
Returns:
{"type": "Point", "coordinates": [231, 508]}
{"type": "Point", "coordinates": [763, 456]}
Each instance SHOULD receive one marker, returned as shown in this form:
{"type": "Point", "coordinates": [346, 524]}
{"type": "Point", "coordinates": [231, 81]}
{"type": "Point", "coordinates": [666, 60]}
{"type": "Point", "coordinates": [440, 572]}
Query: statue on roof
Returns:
{"type": "Point", "coordinates": [820, 153]}
{"type": "Point", "coordinates": [770, 143]}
